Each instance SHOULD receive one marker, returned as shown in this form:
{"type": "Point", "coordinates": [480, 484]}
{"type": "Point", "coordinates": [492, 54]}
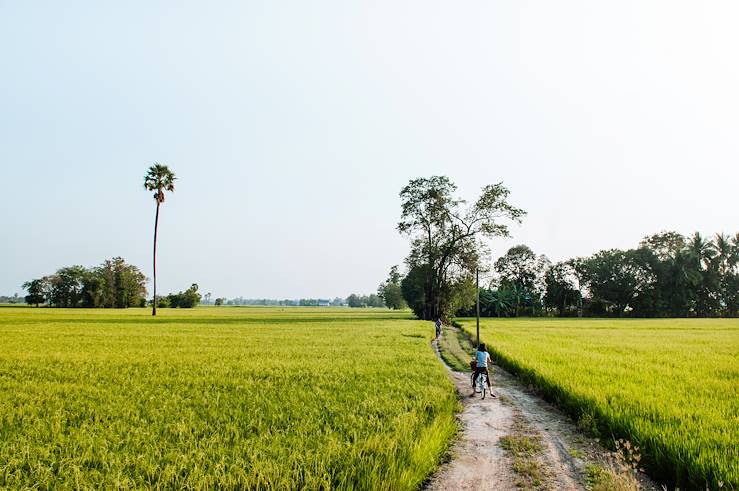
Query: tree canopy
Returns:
{"type": "Point", "coordinates": [113, 284]}
{"type": "Point", "coordinates": [446, 239]}
{"type": "Point", "coordinates": [667, 275]}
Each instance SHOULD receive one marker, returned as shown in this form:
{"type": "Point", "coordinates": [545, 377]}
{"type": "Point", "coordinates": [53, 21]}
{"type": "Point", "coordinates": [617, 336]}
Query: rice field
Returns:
{"type": "Point", "coordinates": [233, 398]}
{"type": "Point", "coordinates": [670, 386]}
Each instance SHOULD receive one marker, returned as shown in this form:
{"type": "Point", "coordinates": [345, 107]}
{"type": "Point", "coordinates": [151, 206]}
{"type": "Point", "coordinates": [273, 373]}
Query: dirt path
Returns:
{"type": "Point", "coordinates": [478, 459]}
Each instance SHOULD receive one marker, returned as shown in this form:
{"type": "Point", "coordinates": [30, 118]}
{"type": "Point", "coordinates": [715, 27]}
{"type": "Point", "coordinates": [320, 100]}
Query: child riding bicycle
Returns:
{"type": "Point", "coordinates": [479, 365]}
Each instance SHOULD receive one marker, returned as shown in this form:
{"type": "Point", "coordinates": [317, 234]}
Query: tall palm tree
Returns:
{"type": "Point", "coordinates": [735, 252]}
{"type": "Point", "coordinates": [700, 250]}
{"type": "Point", "coordinates": [724, 252]}
{"type": "Point", "coordinates": [726, 259]}
{"type": "Point", "coordinates": [159, 179]}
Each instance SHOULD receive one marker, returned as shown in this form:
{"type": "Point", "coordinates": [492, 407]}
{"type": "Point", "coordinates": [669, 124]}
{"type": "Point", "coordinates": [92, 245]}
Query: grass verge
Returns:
{"type": "Point", "coordinates": [524, 446]}
{"type": "Point", "coordinates": [456, 349]}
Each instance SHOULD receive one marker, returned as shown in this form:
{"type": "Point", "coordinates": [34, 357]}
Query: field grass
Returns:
{"type": "Point", "coordinates": [456, 349]}
{"type": "Point", "coordinates": [669, 386]}
{"type": "Point", "coordinates": [247, 398]}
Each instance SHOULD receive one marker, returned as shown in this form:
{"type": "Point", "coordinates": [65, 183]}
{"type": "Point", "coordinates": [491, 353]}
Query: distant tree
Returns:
{"type": "Point", "coordinates": [35, 289]}
{"type": "Point", "coordinates": [355, 301]}
{"type": "Point", "coordinates": [389, 290]}
{"type": "Point", "coordinates": [618, 277]}
{"type": "Point", "coordinates": [184, 300]}
{"type": "Point", "coordinates": [462, 294]}
{"type": "Point", "coordinates": [501, 303]}
{"type": "Point", "coordinates": [159, 179]}
{"type": "Point", "coordinates": [701, 255]}
{"type": "Point", "coordinates": [219, 301]}
{"type": "Point", "coordinates": [560, 291]}
{"type": "Point", "coordinates": [374, 300]}
{"type": "Point", "coordinates": [113, 284]}
{"type": "Point", "coordinates": [67, 286]}
{"type": "Point", "coordinates": [446, 236]}
{"type": "Point", "coordinates": [665, 245]}
{"type": "Point", "coordinates": [522, 271]}
{"type": "Point", "coordinates": [392, 296]}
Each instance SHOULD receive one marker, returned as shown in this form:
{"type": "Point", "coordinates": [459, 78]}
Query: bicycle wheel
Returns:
{"type": "Point", "coordinates": [483, 386]}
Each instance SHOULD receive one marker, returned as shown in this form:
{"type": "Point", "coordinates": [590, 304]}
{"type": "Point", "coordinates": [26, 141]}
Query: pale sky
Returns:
{"type": "Point", "coordinates": [292, 126]}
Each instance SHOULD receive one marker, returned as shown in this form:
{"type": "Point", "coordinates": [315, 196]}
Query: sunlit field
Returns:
{"type": "Point", "coordinates": [669, 386]}
{"type": "Point", "coordinates": [220, 397]}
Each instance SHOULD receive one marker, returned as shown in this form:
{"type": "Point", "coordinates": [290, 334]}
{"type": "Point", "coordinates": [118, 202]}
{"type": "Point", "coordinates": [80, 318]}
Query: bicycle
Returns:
{"type": "Point", "coordinates": [482, 384]}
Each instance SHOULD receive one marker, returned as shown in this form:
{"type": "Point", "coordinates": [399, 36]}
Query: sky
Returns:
{"type": "Point", "coordinates": [293, 125]}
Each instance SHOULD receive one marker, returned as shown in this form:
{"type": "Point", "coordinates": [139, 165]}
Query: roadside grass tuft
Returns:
{"type": "Point", "coordinates": [525, 447]}
{"type": "Point", "coordinates": [455, 349]}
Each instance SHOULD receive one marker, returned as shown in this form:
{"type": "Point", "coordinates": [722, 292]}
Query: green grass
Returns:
{"type": "Point", "coordinates": [262, 398]}
{"type": "Point", "coordinates": [456, 350]}
{"type": "Point", "coordinates": [671, 386]}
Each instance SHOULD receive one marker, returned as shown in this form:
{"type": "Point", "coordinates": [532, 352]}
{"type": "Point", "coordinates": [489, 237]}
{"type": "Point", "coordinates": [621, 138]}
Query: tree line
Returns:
{"type": "Point", "coordinates": [358, 301]}
{"type": "Point", "coordinates": [15, 299]}
{"type": "Point", "coordinates": [666, 275]}
{"type": "Point", "coordinates": [112, 284]}
{"type": "Point", "coordinates": [185, 300]}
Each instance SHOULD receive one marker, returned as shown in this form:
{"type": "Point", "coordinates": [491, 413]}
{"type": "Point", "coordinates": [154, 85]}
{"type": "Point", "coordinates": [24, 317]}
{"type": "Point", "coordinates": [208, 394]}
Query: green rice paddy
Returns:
{"type": "Point", "coordinates": [234, 398]}
{"type": "Point", "coordinates": [671, 386]}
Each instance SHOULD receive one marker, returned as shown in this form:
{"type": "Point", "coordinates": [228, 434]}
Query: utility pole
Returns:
{"type": "Point", "coordinates": [477, 293]}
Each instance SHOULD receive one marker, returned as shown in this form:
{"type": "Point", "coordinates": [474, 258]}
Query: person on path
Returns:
{"type": "Point", "coordinates": [438, 327]}
{"type": "Point", "coordinates": [482, 358]}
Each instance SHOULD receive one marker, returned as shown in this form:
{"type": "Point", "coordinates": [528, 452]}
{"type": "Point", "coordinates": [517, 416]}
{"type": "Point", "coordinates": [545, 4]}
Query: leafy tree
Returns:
{"type": "Point", "coordinates": [462, 294]}
{"type": "Point", "coordinates": [522, 271]}
{"type": "Point", "coordinates": [113, 284]}
{"type": "Point", "coordinates": [219, 301]}
{"type": "Point", "coordinates": [665, 245]}
{"type": "Point", "coordinates": [389, 290]}
{"type": "Point", "coordinates": [67, 286]}
{"type": "Point", "coordinates": [446, 236]}
{"type": "Point", "coordinates": [414, 287]}
{"type": "Point", "coordinates": [373, 300]}
{"type": "Point", "coordinates": [35, 289]}
{"type": "Point", "coordinates": [184, 300]}
{"type": "Point", "coordinates": [618, 277]}
{"type": "Point", "coordinates": [159, 179]}
{"type": "Point", "coordinates": [357, 301]}
{"type": "Point", "coordinates": [393, 296]}
{"type": "Point", "coordinates": [560, 291]}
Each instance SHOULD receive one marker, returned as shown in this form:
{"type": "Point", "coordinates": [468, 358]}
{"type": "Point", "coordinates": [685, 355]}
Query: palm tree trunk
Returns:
{"type": "Point", "coordinates": [156, 224]}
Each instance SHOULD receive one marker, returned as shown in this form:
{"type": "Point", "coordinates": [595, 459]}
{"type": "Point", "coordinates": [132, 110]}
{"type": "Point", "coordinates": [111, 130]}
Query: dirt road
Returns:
{"type": "Point", "coordinates": [515, 441]}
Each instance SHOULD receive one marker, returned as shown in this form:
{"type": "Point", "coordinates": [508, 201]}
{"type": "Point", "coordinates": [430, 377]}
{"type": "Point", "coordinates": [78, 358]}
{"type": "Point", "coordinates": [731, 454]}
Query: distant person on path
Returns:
{"type": "Point", "coordinates": [482, 358]}
{"type": "Point", "coordinates": [438, 327]}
